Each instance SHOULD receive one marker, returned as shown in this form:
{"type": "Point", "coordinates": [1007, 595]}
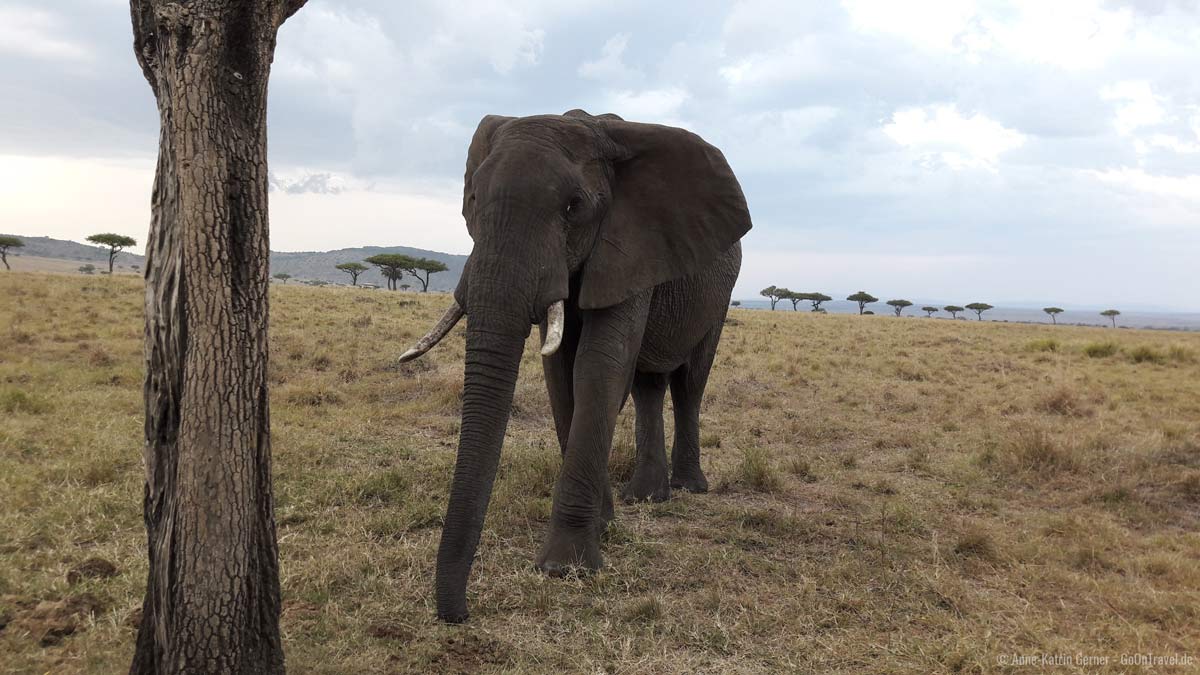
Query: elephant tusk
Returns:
{"type": "Point", "coordinates": [435, 335]}
{"type": "Point", "coordinates": [554, 329]}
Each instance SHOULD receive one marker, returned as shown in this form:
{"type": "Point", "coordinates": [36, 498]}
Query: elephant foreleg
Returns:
{"type": "Point", "coordinates": [604, 362]}
{"type": "Point", "coordinates": [560, 384]}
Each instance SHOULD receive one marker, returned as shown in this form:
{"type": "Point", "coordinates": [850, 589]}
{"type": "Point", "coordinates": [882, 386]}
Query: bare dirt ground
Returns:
{"type": "Point", "coordinates": [889, 496]}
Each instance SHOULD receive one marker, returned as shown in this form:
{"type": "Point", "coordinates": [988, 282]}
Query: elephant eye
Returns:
{"type": "Point", "coordinates": [573, 206]}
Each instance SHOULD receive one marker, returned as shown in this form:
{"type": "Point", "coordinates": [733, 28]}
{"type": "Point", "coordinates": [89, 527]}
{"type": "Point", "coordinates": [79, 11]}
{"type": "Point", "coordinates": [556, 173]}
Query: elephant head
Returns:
{"type": "Point", "coordinates": [556, 202]}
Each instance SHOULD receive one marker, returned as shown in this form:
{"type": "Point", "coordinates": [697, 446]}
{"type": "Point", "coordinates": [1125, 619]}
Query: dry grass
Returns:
{"type": "Point", "coordinates": [899, 497]}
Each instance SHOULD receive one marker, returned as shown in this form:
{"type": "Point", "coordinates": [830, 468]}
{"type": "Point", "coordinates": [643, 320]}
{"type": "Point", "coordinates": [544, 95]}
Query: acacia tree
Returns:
{"type": "Point", "coordinates": [114, 242]}
{"type": "Point", "coordinates": [929, 310]}
{"type": "Point", "coordinates": [899, 305]}
{"type": "Point", "coordinates": [1112, 315]}
{"type": "Point", "coordinates": [954, 310]}
{"type": "Point", "coordinates": [1052, 311]}
{"type": "Point", "coordinates": [791, 296]}
{"type": "Point", "coordinates": [815, 299]}
{"type": "Point", "coordinates": [979, 308]}
{"type": "Point", "coordinates": [863, 299]}
{"type": "Point", "coordinates": [212, 590]}
{"type": "Point", "coordinates": [394, 277]}
{"type": "Point", "coordinates": [283, 276]}
{"type": "Point", "coordinates": [427, 266]}
{"type": "Point", "coordinates": [771, 293]}
{"type": "Point", "coordinates": [353, 269]}
{"type": "Point", "coordinates": [392, 266]}
{"type": "Point", "coordinates": [8, 241]}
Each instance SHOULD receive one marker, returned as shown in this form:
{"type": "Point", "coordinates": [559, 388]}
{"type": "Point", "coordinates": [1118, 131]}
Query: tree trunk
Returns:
{"type": "Point", "coordinates": [212, 592]}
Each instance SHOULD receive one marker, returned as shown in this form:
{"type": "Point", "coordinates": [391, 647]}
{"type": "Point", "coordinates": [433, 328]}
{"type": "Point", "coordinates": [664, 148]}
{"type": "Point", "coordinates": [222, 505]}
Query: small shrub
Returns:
{"type": "Point", "coordinates": [1043, 345]}
{"type": "Point", "coordinates": [646, 610]}
{"type": "Point", "coordinates": [1145, 354]}
{"type": "Point", "coordinates": [800, 468]}
{"type": "Point", "coordinates": [884, 486]}
{"type": "Point", "coordinates": [314, 398]}
{"type": "Point", "coordinates": [387, 487]}
{"type": "Point", "coordinates": [100, 358]}
{"type": "Point", "coordinates": [1115, 496]}
{"type": "Point", "coordinates": [1064, 401]}
{"type": "Point", "coordinates": [1101, 350]}
{"type": "Point", "coordinates": [1189, 488]}
{"type": "Point", "coordinates": [710, 441]}
{"type": "Point", "coordinates": [99, 472]}
{"type": "Point", "coordinates": [1180, 354]}
{"type": "Point", "coordinates": [1037, 452]}
{"type": "Point", "coordinates": [15, 401]}
{"type": "Point", "coordinates": [975, 544]}
{"type": "Point", "coordinates": [321, 362]}
{"type": "Point", "coordinates": [910, 373]}
{"type": "Point", "coordinates": [917, 460]}
{"type": "Point", "coordinates": [21, 337]}
{"type": "Point", "coordinates": [1090, 560]}
{"type": "Point", "coordinates": [757, 471]}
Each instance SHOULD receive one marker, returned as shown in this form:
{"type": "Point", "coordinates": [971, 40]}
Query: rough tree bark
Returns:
{"type": "Point", "coordinates": [212, 594]}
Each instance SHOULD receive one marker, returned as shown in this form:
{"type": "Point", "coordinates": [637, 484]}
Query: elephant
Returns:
{"type": "Point", "coordinates": [621, 241]}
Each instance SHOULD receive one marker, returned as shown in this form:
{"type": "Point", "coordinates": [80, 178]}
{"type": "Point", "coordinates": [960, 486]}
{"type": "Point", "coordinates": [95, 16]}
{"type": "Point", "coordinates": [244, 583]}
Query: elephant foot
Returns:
{"type": "Point", "coordinates": [692, 480]}
{"type": "Point", "coordinates": [570, 551]}
{"type": "Point", "coordinates": [649, 483]}
{"type": "Point", "coordinates": [454, 617]}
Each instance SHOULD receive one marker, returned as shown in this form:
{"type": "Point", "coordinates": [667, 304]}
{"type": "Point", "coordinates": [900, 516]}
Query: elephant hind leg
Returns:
{"type": "Point", "coordinates": [687, 390]}
{"type": "Point", "coordinates": [649, 481]}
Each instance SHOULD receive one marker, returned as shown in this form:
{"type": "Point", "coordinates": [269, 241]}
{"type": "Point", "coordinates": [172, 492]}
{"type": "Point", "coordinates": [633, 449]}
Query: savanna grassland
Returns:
{"type": "Point", "coordinates": [889, 495]}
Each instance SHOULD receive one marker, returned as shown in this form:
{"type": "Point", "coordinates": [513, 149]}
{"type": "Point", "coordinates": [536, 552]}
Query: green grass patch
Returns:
{"type": "Point", "coordinates": [1101, 350]}
{"type": "Point", "coordinates": [1043, 345]}
{"type": "Point", "coordinates": [1146, 354]}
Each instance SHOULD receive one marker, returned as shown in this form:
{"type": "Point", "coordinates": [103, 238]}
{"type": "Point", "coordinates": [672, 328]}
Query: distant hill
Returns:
{"type": "Point", "coordinates": [322, 265]}
{"type": "Point", "coordinates": [46, 247]}
{"type": "Point", "coordinates": [302, 265]}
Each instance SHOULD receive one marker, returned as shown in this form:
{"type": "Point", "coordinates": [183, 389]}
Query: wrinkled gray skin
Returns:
{"type": "Point", "coordinates": [637, 228]}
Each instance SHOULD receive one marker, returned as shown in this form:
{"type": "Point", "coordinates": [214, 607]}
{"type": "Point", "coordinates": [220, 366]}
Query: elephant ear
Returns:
{"type": "Point", "coordinates": [481, 145]}
{"type": "Point", "coordinates": [675, 207]}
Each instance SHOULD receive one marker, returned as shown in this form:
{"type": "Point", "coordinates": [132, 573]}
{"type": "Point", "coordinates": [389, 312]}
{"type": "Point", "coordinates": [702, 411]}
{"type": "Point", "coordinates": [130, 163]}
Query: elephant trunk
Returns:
{"type": "Point", "coordinates": [497, 326]}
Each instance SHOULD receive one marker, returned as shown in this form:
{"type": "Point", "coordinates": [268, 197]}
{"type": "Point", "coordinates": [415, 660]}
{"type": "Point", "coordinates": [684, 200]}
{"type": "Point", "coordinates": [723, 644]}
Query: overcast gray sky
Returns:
{"type": "Point", "coordinates": [1042, 150]}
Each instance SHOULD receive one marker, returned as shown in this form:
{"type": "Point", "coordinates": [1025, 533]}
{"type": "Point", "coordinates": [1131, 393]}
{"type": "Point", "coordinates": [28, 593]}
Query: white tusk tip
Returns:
{"type": "Point", "coordinates": [409, 355]}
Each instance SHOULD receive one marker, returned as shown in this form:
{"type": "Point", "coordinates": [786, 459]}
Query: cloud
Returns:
{"type": "Point", "coordinates": [609, 67]}
{"type": "Point", "coordinates": [315, 183]}
{"type": "Point", "coordinates": [36, 33]}
{"type": "Point", "coordinates": [960, 142]}
{"type": "Point", "coordinates": [1068, 34]}
{"type": "Point", "coordinates": [1137, 107]}
{"type": "Point", "coordinates": [862, 132]}
{"type": "Point", "coordinates": [1182, 187]}
{"type": "Point", "coordinates": [927, 24]}
{"type": "Point", "coordinates": [661, 106]}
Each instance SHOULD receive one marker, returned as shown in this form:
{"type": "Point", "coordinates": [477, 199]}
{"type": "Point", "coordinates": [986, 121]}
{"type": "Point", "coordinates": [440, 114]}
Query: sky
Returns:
{"type": "Point", "coordinates": [1025, 151]}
